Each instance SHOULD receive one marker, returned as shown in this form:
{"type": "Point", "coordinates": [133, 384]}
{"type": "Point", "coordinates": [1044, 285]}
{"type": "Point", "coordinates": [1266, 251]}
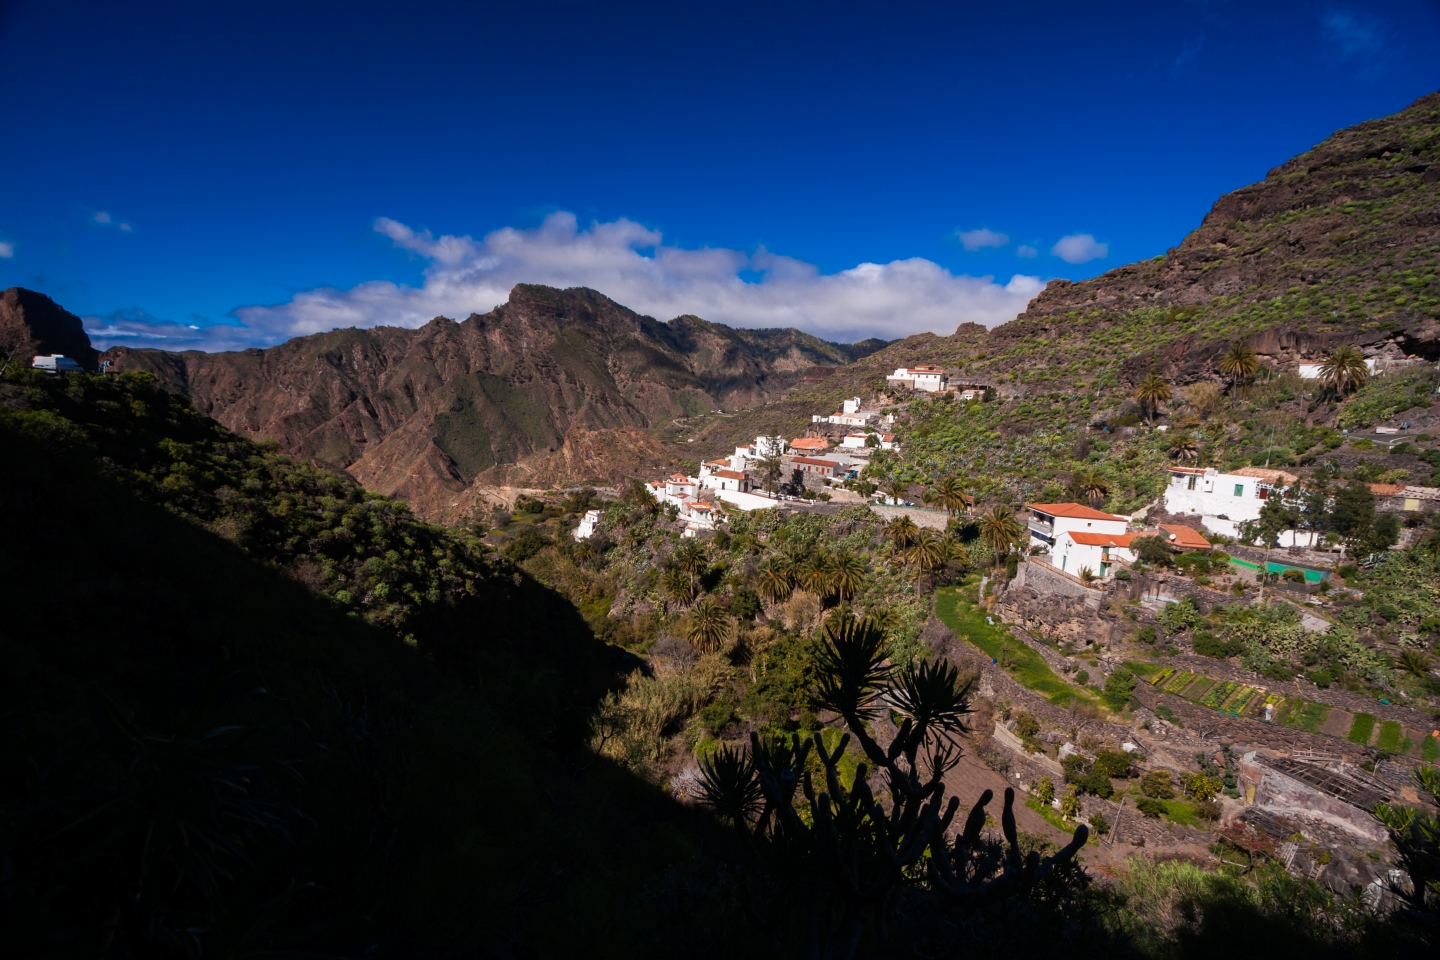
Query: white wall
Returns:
{"type": "Point", "coordinates": [1214, 494]}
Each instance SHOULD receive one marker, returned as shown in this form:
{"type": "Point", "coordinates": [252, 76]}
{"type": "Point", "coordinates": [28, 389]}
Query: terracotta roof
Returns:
{"type": "Point", "coordinates": [702, 506]}
{"type": "Point", "coordinates": [1385, 489]}
{"type": "Point", "coordinates": [810, 443]}
{"type": "Point", "coordinates": [679, 478]}
{"type": "Point", "coordinates": [1187, 469]}
{"type": "Point", "coordinates": [728, 474]}
{"type": "Point", "coordinates": [1075, 511]}
{"type": "Point", "coordinates": [887, 437]}
{"type": "Point", "coordinates": [815, 462]}
{"type": "Point", "coordinates": [1186, 537]}
{"type": "Point", "coordinates": [925, 368]}
{"type": "Point", "coordinates": [717, 463]}
{"type": "Point", "coordinates": [1269, 476]}
{"type": "Point", "coordinates": [1099, 539]}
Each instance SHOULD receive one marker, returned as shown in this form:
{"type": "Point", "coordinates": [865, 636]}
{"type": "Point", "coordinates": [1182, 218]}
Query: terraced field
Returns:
{"type": "Point", "coordinates": [1259, 703]}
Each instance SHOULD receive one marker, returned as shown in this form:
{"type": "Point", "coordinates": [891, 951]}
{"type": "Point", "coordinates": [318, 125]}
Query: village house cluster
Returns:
{"type": "Point", "coordinates": [1072, 537]}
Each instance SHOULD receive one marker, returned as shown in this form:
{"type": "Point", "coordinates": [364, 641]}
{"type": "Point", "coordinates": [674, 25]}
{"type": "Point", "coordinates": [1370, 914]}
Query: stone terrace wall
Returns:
{"type": "Point", "coordinates": [1413, 717]}
{"type": "Point", "coordinates": [1243, 730]}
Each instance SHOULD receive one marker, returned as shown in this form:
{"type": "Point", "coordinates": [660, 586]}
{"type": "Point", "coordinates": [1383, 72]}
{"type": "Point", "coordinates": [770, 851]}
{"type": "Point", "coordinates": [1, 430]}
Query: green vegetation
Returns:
{"type": "Point", "coordinates": [954, 608]}
{"type": "Point", "coordinates": [1392, 737]}
{"type": "Point", "coordinates": [1362, 729]}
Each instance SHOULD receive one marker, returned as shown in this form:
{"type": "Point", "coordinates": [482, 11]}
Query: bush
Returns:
{"type": "Point", "coordinates": [1209, 810]}
{"type": "Point", "coordinates": [1099, 824]}
{"type": "Point", "coordinates": [1082, 676]}
{"type": "Point", "coordinates": [528, 504]}
{"type": "Point", "coordinates": [1199, 786]}
{"type": "Point", "coordinates": [1097, 783]}
{"type": "Point", "coordinates": [1320, 676]}
{"type": "Point", "coordinates": [1146, 635]}
{"type": "Point", "coordinates": [1275, 670]}
{"type": "Point", "coordinates": [1152, 550]}
{"type": "Point", "coordinates": [1158, 785]}
{"type": "Point", "coordinates": [1118, 687]}
{"type": "Point", "coordinates": [1026, 725]}
{"type": "Point", "coordinates": [1208, 645]}
{"type": "Point", "coordinates": [1150, 807]}
{"type": "Point", "coordinates": [1045, 791]}
{"type": "Point", "coordinates": [1293, 575]}
{"type": "Point", "coordinates": [1122, 574]}
{"type": "Point", "coordinates": [1115, 763]}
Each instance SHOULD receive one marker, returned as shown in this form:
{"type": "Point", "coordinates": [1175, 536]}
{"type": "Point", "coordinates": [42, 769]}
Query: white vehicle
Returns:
{"type": "Point", "coordinates": [56, 363]}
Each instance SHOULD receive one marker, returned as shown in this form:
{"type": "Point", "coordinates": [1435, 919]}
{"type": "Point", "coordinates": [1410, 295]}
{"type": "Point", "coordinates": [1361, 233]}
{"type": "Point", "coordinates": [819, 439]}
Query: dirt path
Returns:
{"type": "Point", "coordinates": [971, 778]}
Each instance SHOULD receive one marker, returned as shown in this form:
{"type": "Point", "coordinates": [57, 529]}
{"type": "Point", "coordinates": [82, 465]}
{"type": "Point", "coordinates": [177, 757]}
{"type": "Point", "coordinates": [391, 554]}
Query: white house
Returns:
{"type": "Point", "coordinates": [1049, 520]}
{"type": "Point", "coordinates": [724, 480]}
{"type": "Point", "coordinates": [1223, 501]}
{"type": "Point", "coordinates": [587, 526]}
{"type": "Point", "coordinates": [851, 406]}
{"type": "Point", "coordinates": [56, 363]}
{"type": "Point", "coordinates": [854, 440]}
{"type": "Point", "coordinates": [762, 447]}
{"type": "Point", "coordinates": [928, 378]}
{"type": "Point", "coordinates": [887, 442]}
{"type": "Point", "coordinates": [1077, 550]}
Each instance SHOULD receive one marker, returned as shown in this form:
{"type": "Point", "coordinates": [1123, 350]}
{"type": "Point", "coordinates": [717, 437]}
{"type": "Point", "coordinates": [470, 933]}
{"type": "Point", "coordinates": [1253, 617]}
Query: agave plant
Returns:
{"type": "Point", "coordinates": [798, 819]}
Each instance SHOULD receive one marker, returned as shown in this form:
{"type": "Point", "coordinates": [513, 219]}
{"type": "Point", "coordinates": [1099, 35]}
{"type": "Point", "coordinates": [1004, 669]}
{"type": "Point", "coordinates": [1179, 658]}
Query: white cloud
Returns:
{"type": "Point", "coordinates": [1025, 250]}
{"type": "Point", "coordinates": [125, 227]}
{"type": "Point", "coordinates": [632, 265]}
{"type": "Point", "coordinates": [7, 250]}
{"type": "Point", "coordinates": [133, 327]}
{"type": "Point", "coordinates": [102, 217]}
{"type": "Point", "coordinates": [1079, 248]}
{"type": "Point", "coordinates": [978, 239]}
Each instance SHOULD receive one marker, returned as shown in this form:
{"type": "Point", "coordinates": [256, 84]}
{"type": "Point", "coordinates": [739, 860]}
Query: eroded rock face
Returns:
{"type": "Point", "coordinates": [553, 386]}
{"type": "Point", "coordinates": [31, 324]}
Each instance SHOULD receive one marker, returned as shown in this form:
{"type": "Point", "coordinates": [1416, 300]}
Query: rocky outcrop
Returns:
{"type": "Point", "coordinates": [32, 324]}
{"type": "Point", "coordinates": [552, 386]}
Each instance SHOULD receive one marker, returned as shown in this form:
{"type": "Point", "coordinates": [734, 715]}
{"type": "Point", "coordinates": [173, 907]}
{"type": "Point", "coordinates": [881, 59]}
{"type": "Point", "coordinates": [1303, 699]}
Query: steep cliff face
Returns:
{"type": "Point", "coordinates": [553, 385]}
{"type": "Point", "coordinates": [32, 324]}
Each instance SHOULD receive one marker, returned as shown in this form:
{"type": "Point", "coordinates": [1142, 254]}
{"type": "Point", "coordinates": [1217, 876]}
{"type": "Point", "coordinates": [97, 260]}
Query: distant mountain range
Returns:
{"type": "Point", "coordinates": [1338, 245]}
{"type": "Point", "coordinates": [553, 385]}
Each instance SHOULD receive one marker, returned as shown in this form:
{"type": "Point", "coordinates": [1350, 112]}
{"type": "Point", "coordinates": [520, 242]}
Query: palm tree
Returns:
{"type": "Point", "coordinates": [678, 585]}
{"type": "Point", "coordinates": [1185, 447]}
{"type": "Point", "coordinates": [774, 581]}
{"type": "Point", "coordinates": [1091, 485]}
{"type": "Point", "coordinates": [895, 489]}
{"type": "Point", "coordinates": [956, 552]}
{"type": "Point", "coordinates": [815, 574]}
{"type": "Point", "coordinates": [847, 574]}
{"type": "Point", "coordinates": [1238, 363]}
{"type": "Point", "coordinates": [926, 553]}
{"type": "Point", "coordinates": [707, 626]}
{"type": "Point", "coordinates": [1000, 530]}
{"type": "Point", "coordinates": [1152, 392]}
{"type": "Point", "coordinates": [1344, 370]}
{"type": "Point", "coordinates": [950, 495]}
{"type": "Point", "coordinates": [901, 532]}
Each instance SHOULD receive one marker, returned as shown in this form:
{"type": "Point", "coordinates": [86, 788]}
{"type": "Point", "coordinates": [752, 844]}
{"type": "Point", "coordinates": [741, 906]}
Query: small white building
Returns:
{"type": "Point", "coordinates": [1049, 520]}
{"type": "Point", "coordinates": [1223, 501]}
{"type": "Point", "coordinates": [925, 377]}
{"type": "Point", "coordinates": [1077, 550]}
{"type": "Point", "coordinates": [724, 480]}
{"type": "Point", "coordinates": [851, 406]}
{"type": "Point", "coordinates": [56, 363]}
{"type": "Point", "coordinates": [854, 440]}
{"type": "Point", "coordinates": [587, 526]}
{"type": "Point", "coordinates": [888, 442]}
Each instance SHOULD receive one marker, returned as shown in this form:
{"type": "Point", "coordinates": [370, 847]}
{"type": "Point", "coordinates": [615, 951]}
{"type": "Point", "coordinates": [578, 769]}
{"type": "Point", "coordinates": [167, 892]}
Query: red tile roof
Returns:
{"type": "Point", "coordinates": [1099, 539]}
{"type": "Point", "coordinates": [1269, 476]}
{"type": "Point", "coordinates": [1075, 511]}
{"type": "Point", "coordinates": [1385, 489]}
{"type": "Point", "coordinates": [1187, 537]}
{"type": "Point", "coordinates": [810, 443]}
{"type": "Point", "coordinates": [728, 474]}
{"type": "Point", "coordinates": [814, 462]}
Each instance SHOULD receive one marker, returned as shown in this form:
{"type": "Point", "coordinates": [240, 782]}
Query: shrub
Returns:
{"type": "Point", "coordinates": [1146, 635]}
{"type": "Point", "coordinates": [1026, 725]}
{"type": "Point", "coordinates": [1208, 645]}
{"type": "Point", "coordinates": [1097, 783]}
{"type": "Point", "coordinates": [1320, 676]}
{"type": "Point", "coordinates": [1157, 785]}
{"type": "Point", "coordinates": [1150, 808]}
{"type": "Point", "coordinates": [1045, 791]}
{"type": "Point", "coordinates": [1209, 810]}
{"type": "Point", "coordinates": [1070, 804]}
{"type": "Point", "coordinates": [1199, 786]}
{"type": "Point", "coordinates": [1115, 763]}
{"type": "Point", "coordinates": [1082, 676]}
{"type": "Point", "coordinates": [1122, 574]}
{"type": "Point", "coordinates": [1118, 687]}
{"type": "Point", "coordinates": [1099, 824]}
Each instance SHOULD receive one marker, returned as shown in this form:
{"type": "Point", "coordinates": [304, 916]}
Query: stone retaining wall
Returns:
{"type": "Point", "coordinates": [1046, 580]}
{"type": "Point", "coordinates": [1412, 717]}
{"type": "Point", "coordinates": [1252, 733]}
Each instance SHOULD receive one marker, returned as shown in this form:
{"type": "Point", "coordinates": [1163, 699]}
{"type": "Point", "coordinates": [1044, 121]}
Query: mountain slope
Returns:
{"type": "Point", "coordinates": [1338, 245]}
{"type": "Point", "coordinates": [553, 381]}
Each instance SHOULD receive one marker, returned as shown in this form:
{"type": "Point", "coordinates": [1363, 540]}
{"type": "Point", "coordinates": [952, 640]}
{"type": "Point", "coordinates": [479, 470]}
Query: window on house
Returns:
{"type": "Point", "coordinates": [1239, 489]}
{"type": "Point", "coordinates": [1191, 484]}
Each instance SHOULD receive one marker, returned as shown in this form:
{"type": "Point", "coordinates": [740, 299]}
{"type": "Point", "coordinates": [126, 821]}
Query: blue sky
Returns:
{"type": "Point", "coordinates": [279, 168]}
